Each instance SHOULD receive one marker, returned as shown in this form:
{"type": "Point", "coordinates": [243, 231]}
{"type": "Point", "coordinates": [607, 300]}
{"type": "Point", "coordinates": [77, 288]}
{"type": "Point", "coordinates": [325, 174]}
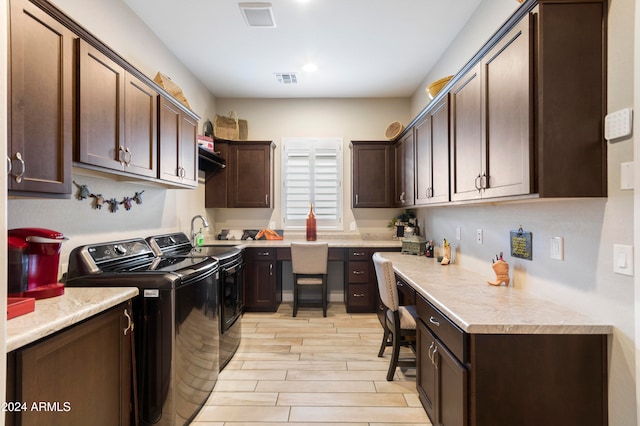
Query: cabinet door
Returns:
{"type": "Point", "coordinates": [404, 178]}
{"type": "Point", "coordinates": [426, 379]}
{"type": "Point", "coordinates": [189, 150]}
{"type": "Point", "coordinates": [215, 190]}
{"type": "Point", "coordinates": [87, 366]}
{"type": "Point", "coordinates": [372, 180]}
{"type": "Point", "coordinates": [41, 89]}
{"type": "Point", "coordinates": [260, 286]}
{"type": "Point", "coordinates": [441, 380]}
{"type": "Point", "coordinates": [508, 117]}
{"type": "Point", "coordinates": [178, 155]}
{"type": "Point", "coordinates": [250, 175]}
{"type": "Point", "coordinates": [432, 155]}
{"type": "Point", "coordinates": [140, 124]}
{"type": "Point", "coordinates": [102, 83]}
{"type": "Point", "coordinates": [466, 136]}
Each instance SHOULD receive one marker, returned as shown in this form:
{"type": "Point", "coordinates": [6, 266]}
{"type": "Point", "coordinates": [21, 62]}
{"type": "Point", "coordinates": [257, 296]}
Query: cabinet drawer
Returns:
{"type": "Point", "coordinates": [266, 253]}
{"type": "Point", "coordinates": [359, 295]}
{"type": "Point", "coordinates": [450, 334]}
{"type": "Point", "coordinates": [359, 254]}
{"type": "Point", "coordinates": [406, 293]}
{"type": "Point", "coordinates": [359, 272]}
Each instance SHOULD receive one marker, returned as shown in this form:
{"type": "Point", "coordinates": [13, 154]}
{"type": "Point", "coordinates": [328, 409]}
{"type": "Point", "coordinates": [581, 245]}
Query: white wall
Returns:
{"type": "Point", "coordinates": [584, 280]}
{"type": "Point", "coordinates": [351, 119]}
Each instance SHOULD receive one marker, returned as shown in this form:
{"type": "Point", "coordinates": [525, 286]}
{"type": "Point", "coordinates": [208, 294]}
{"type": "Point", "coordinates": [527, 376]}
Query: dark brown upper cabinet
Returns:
{"type": "Point", "coordinates": [372, 182]}
{"type": "Point", "coordinates": [405, 169]}
{"type": "Point", "coordinates": [178, 145]}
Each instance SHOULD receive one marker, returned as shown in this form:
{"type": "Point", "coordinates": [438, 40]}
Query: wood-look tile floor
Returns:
{"type": "Point", "coordinates": [311, 370]}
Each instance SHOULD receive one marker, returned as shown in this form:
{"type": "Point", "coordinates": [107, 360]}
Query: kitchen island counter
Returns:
{"type": "Point", "coordinates": [479, 308]}
{"type": "Point", "coordinates": [56, 313]}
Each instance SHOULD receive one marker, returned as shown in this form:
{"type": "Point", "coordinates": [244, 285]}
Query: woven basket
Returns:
{"type": "Point", "coordinates": [436, 86]}
{"type": "Point", "coordinates": [174, 90]}
{"type": "Point", "coordinates": [393, 130]}
{"type": "Point", "coordinates": [226, 127]}
{"type": "Point", "coordinates": [243, 130]}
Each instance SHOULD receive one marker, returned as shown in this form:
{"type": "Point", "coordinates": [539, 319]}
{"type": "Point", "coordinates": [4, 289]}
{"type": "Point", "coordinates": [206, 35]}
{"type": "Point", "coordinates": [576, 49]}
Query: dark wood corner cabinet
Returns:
{"type": "Point", "coordinates": [83, 373]}
{"type": "Point", "coordinates": [405, 171]}
{"type": "Point", "coordinates": [247, 179]}
{"type": "Point", "coordinates": [74, 99]}
{"type": "Point", "coordinates": [508, 379]}
{"type": "Point", "coordinates": [372, 165]}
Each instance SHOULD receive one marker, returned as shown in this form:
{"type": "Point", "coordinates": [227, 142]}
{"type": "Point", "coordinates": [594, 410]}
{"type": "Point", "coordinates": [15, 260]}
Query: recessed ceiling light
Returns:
{"type": "Point", "coordinates": [310, 67]}
{"type": "Point", "coordinates": [259, 15]}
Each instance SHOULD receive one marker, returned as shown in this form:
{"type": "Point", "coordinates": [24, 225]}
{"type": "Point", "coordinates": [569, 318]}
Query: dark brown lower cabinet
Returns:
{"type": "Point", "coordinates": [79, 376]}
{"type": "Point", "coordinates": [441, 380]}
{"type": "Point", "coordinates": [261, 292]}
{"type": "Point", "coordinates": [508, 379]}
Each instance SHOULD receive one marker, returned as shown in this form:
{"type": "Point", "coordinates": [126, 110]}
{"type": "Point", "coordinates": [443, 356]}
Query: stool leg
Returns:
{"type": "Point", "coordinates": [394, 357]}
{"type": "Point", "coordinates": [295, 296]}
{"type": "Point", "coordinates": [385, 339]}
{"type": "Point", "coordinates": [324, 296]}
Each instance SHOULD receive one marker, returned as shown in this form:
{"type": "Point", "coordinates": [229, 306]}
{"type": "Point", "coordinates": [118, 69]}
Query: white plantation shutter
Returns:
{"type": "Point", "coordinates": [312, 173]}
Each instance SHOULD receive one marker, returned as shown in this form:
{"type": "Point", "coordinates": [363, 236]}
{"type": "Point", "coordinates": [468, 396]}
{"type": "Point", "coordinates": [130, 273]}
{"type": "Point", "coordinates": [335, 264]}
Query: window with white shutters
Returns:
{"type": "Point", "coordinates": [312, 174]}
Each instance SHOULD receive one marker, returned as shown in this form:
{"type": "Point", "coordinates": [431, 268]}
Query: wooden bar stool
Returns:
{"type": "Point", "coordinates": [400, 321]}
{"type": "Point", "coordinates": [309, 263]}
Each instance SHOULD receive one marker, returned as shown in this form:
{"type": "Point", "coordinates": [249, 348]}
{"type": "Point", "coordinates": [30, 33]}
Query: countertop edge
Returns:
{"type": "Point", "coordinates": [582, 325]}
{"type": "Point", "coordinates": [57, 313]}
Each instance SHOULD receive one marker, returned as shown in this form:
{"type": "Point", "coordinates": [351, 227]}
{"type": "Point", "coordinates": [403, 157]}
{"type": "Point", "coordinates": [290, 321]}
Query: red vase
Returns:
{"type": "Point", "coordinates": [311, 225]}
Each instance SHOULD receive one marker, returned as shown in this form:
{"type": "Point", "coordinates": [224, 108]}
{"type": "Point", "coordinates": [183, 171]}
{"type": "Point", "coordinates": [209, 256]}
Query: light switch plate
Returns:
{"type": "Point", "coordinates": [623, 259]}
{"type": "Point", "coordinates": [557, 248]}
{"type": "Point", "coordinates": [626, 175]}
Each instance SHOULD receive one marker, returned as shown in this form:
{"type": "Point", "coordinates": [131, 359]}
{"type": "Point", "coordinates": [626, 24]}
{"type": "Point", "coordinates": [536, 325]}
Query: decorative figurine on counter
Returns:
{"type": "Point", "coordinates": [446, 252]}
{"type": "Point", "coordinates": [501, 268]}
{"type": "Point", "coordinates": [429, 249]}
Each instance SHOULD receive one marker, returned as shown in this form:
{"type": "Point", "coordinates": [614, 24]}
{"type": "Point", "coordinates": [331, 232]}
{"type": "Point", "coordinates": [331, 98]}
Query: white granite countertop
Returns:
{"type": "Point", "coordinates": [477, 307]}
{"type": "Point", "coordinates": [54, 314]}
{"type": "Point", "coordinates": [346, 243]}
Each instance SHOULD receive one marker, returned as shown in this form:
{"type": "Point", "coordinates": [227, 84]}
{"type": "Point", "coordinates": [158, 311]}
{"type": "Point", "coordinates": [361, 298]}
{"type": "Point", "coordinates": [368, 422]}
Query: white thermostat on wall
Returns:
{"type": "Point", "coordinates": [618, 124]}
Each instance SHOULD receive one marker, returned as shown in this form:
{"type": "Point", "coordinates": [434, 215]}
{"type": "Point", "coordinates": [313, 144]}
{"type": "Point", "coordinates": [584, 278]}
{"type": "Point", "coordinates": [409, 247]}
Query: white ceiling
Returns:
{"type": "Point", "coordinates": [363, 48]}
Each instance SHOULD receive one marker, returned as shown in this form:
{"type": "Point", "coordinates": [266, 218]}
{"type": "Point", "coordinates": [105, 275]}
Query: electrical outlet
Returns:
{"type": "Point", "coordinates": [479, 236]}
{"type": "Point", "coordinates": [352, 226]}
{"type": "Point", "coordinates": [623, 259]}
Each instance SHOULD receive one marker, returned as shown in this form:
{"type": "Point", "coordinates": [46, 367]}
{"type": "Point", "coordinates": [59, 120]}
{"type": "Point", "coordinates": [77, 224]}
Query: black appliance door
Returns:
{"type": "Point", "coordinates": [196, 344]}
{"type": "Point", "coordinates": [231, 295]}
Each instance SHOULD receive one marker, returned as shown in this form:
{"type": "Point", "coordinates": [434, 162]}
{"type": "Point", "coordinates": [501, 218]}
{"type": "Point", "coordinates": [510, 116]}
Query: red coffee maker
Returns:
{"type": "Point", "coordinates": [42, 248]}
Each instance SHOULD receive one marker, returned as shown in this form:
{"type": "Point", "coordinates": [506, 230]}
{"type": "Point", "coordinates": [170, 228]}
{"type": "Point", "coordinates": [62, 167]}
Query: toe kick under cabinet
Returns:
{"type": "Point", "coordinates": [508, 379]}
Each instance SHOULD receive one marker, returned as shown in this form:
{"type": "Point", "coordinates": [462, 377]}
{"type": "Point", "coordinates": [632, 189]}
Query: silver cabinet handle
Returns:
{"type": "Point", "coordinates": [435, 350]}
{"type": "Point", "coordinates": [433, 321]}
{"type": "Point", "coordinates": [266, 199]}
{"type": "Point", "coordinates": [430, 354]}
{"type": "Point", "coordinates": [122, 156]}
{"type": "Point", "coordinates": [478, 183]}
{"type": "Point", "coordinates": [402, 198]}
{"type": "Point", "coordinates": [271, 269]}
{"type": "Point", "coordinates": [19, 176]}
{"type": "Point", "coordinates": [263, 253]}
{"type": "Point", "coordinates": [129, 323]}
{"type": "Point", "coordinates": [357, 253]}
{"type": "Point", "coordinates": [9, 165]}
{"type": "Point", "coordinates": [357, 272]}
{"type": "Point", "coordinates": [483, 181]}
{"type": "Point", "coordinates": [358, 294]}
{"type": "Point", "coordinates": [356, 199]}
{"type": "Point", "coordinates": [128, 156]}
{"type": "Point", "coordinates": [399, 284]}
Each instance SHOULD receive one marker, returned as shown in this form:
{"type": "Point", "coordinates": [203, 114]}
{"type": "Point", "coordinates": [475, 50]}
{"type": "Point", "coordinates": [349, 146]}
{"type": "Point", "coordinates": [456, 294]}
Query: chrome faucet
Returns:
{"type": "Point", "coordinates": [193, 231]}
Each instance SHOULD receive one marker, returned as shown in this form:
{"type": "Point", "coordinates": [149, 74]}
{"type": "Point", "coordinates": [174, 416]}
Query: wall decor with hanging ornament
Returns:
{"type": "Point", "coordinates": [113, 203]}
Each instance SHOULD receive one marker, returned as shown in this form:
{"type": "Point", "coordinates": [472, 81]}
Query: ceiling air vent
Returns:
{"type": "Point", "coordinates": [287, 77]}
{"type": "Point", "coordinates": [258, 15]}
